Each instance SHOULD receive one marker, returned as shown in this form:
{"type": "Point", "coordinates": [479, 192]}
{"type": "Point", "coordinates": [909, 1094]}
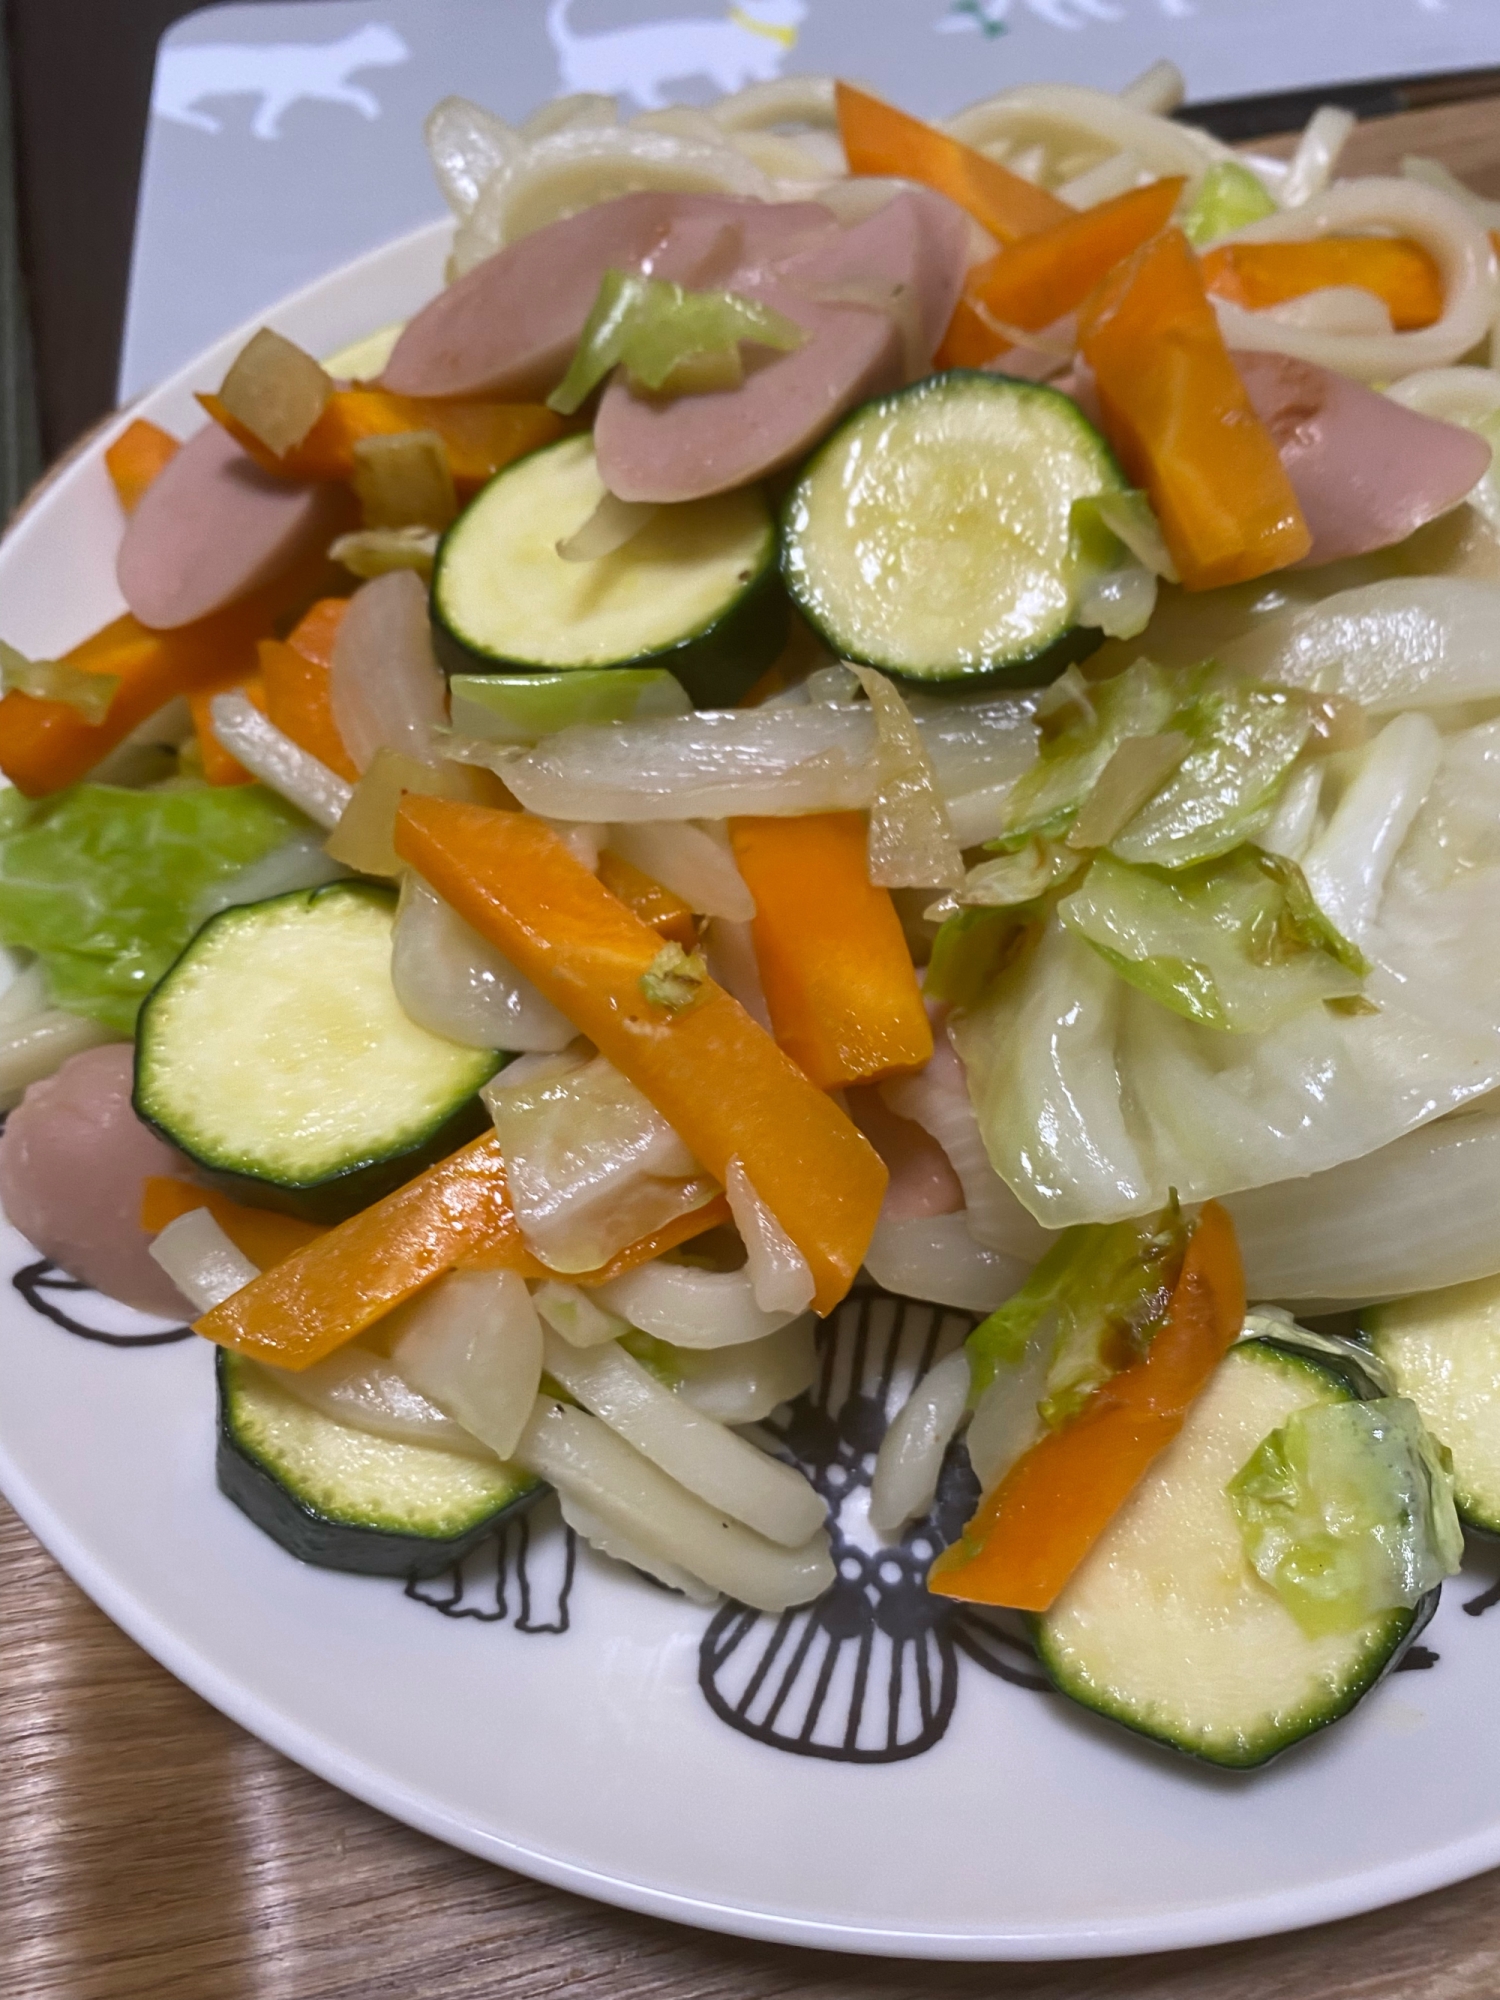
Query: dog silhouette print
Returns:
{"type": "Point", "coordinates": [280, 74]}
{"type": "Point", "coordinates": [749, 44]}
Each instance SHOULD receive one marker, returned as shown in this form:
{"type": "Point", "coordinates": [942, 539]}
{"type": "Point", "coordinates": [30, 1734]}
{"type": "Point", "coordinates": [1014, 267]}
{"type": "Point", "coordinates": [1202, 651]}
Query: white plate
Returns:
{"type": "Point", "coordinates": [603, 1735]}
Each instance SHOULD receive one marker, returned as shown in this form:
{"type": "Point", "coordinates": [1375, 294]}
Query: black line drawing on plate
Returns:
{"type": "Point", "coordinates": [534, 1555]}
{"type": "Point", "coordinates": [38, 1282]}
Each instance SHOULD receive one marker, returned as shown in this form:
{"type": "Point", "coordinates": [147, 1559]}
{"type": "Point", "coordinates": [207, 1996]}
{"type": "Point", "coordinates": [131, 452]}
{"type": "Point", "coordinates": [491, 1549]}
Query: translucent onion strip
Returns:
{"type": "Point", "coordinates": [690, 1307]}
{"type": "Point", "coordinates": [780, 1277]}
{"type": "Point", "coordinates": [592, 1467]}
{"type": "Point", "coordinates": [724, 1470]}
{"type": "Point", "coordinates": [911, 844]}
{"type": "Point", "coordinates": [572, 1313]}
{"type": "Point", "coordinates": [1347, 864]}
{"type": "Point", "coordinates": [277, 761]}
{"type": "Point", "coordinates": [935, 1258]}
{"type": "Point", "coordinates": [1418, 1214]}
{"type": "Point", "coordinates": [910, 1458]}
{"type": "Point", "coordinates": [354, 1386]}
{"type": "Point", "coordinates": [472, 1344]}
{"type": "Point", "coordinates": [691, 862]}
{"type": "Point", "coordinates": [1457, 242]}
{"type": "Point", "coordinates": [38, 1044]}
{"type": "Point", "coordinates": [741, 1385]}
{"type": "Point", "coordinates": [454, 984]}
{"type": "Point", "coordinates": [384, 684]}
{"type": "Point", "coordinates": [201, 1261]}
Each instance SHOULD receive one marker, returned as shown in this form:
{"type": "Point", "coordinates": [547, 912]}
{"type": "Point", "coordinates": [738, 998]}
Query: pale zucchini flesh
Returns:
{"type": "Point", "coordinates": [345, 1499]}
{"type": "Point", "coordinates": [1443, 1351]}
{"type": "Point", "coordinates": [1167, 1629]}
{"type": "Point", "coordinates": [931, 535]}
{"type": "Point", "coordinates": [276, 1054]}
{"type": "Point", "coordinates": [695, 590]}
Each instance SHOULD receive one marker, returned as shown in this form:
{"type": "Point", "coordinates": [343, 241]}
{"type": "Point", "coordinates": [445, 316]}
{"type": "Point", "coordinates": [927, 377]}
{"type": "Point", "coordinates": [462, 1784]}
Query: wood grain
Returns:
{"type": "Point", "coordinates": [150, 1850]}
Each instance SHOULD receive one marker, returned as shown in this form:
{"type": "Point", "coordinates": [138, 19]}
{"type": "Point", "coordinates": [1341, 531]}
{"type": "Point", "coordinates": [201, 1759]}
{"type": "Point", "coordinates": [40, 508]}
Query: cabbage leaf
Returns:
{"type": "Point", "coordinates": [104, 884]}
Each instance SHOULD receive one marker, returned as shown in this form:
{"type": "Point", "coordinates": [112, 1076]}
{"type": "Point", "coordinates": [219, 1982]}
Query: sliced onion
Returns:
{"type": "Point", "coordinates": [1347, 864]}
{"type": "Point", "coordinates": [935, 1258]}
{"type": "Point", "coordinates": [466, 145]}
{"type": "Point", "coordinates": [627, 1494]}
{"type": "Point", "coordinates": [277, 761]}
{"type": "Point", "coordinates": [578, 1318]}
{"type": "Point", "coordinates": [691, 862]}
{"type": "Point", "coordinates": [1006, 1422]}
{"type": "Point", "coordinates": [373, 552]}
{"type": "Point", "coordinates": [724, 1470]}
{"type": "Point", "coordinates": [780, 1276]}
{"type": "Point", "coordinates": [37, 1044]}
{"type": "Point", "coordinates": [365, 837]}
{"type": "Point", "coordinates": [591, 1165]}
{"type": "Point", "coordinates": [1420, 1213]}
{"type": "Point", "coordinates": [454, 984]}
{"type": "Point", "coordinates": [275, 391]}
{"type": "Point", "coordinates": [201, 1261]}
{"type": "Point", "coordinates": [299, 863]}
{"type": "Point", "coordinates": [911, 844]}
{"type": "Point", "coordinates": [354, 1386]}
{"type": "Point", "coordinates": [1290, 827]}
{"type": "Point", "coordinates": [472, 1344]}
{"type": "Point", "coordinates": [384, 684]}
{"type": "Point", "coordinates": [741, 1385]}
{"type": "Point", "coordinates": [910, 1458]}
{"type": "Point", "coordinates": [730, 950]}
{"type": "Point", "coordinates": [690, 1307]}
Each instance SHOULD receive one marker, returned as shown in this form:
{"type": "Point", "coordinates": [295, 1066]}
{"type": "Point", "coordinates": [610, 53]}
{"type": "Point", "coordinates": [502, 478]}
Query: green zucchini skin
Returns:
{"type": "Point", "coordinates": [717, 658]}
{"type": "Point", "coordinates": [1025, 661]}
{"type": "Point", "coordinates": [1443, 1351]}
{"type": "Point", "coordinates": [376, 1159]}
{"type": "Point", "coordinates": [320, 1534]}
{"type": "Point", "coordinates": [1073, 1639]}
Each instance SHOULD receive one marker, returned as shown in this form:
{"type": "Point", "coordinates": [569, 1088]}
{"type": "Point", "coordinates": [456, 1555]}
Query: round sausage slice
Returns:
{"type": "Point", "coordinates": [212, 527]}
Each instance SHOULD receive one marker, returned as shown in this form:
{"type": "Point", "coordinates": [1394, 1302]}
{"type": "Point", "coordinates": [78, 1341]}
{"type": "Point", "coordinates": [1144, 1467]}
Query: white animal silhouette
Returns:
{"type": "Point", "coordinates": [749, 45]}
{"type": "Point", "coordinates": [280, 74]}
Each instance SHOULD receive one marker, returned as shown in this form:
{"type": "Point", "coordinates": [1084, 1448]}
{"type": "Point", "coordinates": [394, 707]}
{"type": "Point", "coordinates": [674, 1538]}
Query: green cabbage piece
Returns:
{"type": "Point", "coordinates": [1044, 802]}
{"type": "Point", "coordinates": [1096, 1299]}
{"type": "Point", "coordinates": [103, 884]}
{"type": "Point", "coordinates": [667, 338]}
{"type": "Point", "coordinates": [1347, 1511]}
{"type": "Point", "coordinates": [1229, 197]}
{"type": "Point", "coordinates": [1236, 944]}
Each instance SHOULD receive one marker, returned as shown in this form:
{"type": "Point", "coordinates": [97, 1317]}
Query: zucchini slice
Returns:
{"type": "Point", "coordinates": [1168, 1629]}
{"type": "Point", "coordinates": [932, 536]}
{"type": "Point", "coordinates": [695, 590]}
{"type": "Point", "coordinates": [275, 1053]}
{"type": "Point", "coordinates": [345, 1499]}
{"type": "Point", "coordinates": [1443, 1350]}
{"type": "Point", "coordinates": [523, 708]}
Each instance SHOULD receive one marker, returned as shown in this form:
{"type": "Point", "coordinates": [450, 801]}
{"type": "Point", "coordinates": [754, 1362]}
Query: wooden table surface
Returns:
{"type": "Point", "coordinates": [150, 1850]}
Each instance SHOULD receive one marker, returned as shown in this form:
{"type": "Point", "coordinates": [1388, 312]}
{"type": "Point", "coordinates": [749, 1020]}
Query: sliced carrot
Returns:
{"type": "Point", "coordinates": [1034, 1530]}
{"type": "Point", "coordinates": [481, 437]}
{"type": "Point", "coordinates": [1177, 413]}
{"type": "Point", "coordinates": [257, 1233]}
{"type": "Point", "coordinates": [136, 456]}
{"type": "Point", "coordinates": [879, 139]}
{"type": "Point", "coordinates": [296, 680]}
{"type": "Point", "coordinates": [834, 965]}
{"type": "Point", "coordinates": [667, 914]}
{"type": "Point", "coordinates": [1394, 268]}
{"type": "Point", "coordinates": [219, 767]}
{"type": "Point", "coordinates": [458, 1212]}
{"type": "Point", "coordinates": [1045, 276]}
{"type": "Point", "coordinates": [711, 1072]}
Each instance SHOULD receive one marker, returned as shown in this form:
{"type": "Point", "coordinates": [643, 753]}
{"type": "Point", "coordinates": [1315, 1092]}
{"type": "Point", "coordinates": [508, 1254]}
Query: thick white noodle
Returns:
{"type": "Point", "coordinates": [741, 1385]}
{"type": "Point", "coordinates": [472, 1344]}
{"type": "Point", "coordinates": [1458, 244]}
{"type": "Point", "coordinates": [792, 100]}
{"type": "Point", "coordinates": [629, 1496]}
{"type": "Point", "coordinates": [570, 1311]}
{"type": "Point", "coordinates": [911, 1452]}
{"type": "Point", "coordinates": [935, 1258]}
{"type": "Point", "coordinates": [1324, 137]}
{"type": "Point", "coordinates": [688, 1306]}
{"type": "Point", "coordinates": [1418, 1214]}
{"type": "Point", "coordinates": [1157, 90]}
{"type": "Point", "coordinates": [1433, 174]}
{"type": "Point", "coordinates": [723, 1469]}
{"type": "Point", "coordinates": [780, 1276]}
{"type": "Point", "coordinates": [1467, 396]}
{"type": "Point", "coordinates": [451, 982]}
{"type": "Point", "coordinates": [1077, 128]}
{"type": "Point", "coordinates": [611, 1540]}
{"type": "Point", "coordinates": [201, 1261]}
{"type": "Point", "coordinates": [277, 761]}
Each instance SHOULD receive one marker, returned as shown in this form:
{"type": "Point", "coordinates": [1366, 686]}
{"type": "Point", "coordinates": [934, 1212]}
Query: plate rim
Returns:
{"type": "Point", "coordinates": [1217, 1923]}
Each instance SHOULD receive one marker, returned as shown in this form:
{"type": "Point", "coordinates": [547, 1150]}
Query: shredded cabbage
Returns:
{"type": "Point", "coordinates": [104, 884]}
{"type": "Point", "coordinates": [1227, 198]}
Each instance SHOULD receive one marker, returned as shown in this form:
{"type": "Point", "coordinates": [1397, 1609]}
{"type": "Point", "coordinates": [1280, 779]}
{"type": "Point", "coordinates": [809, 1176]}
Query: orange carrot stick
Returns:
{"type": "Point", "coordinates": [458, 1212]}
{"type": "Point", "coordinates": [667, 914]}
{"type": "Point", "coordinates": [879, 139]}
{"type": "Point", "coordinates": [834, 966]}
{"type": "Point", "coordinates": [711, 1072]}
{"type": "Point", "coordinates": [257, 1233]}
{"type": "Point", "coordinates": [1047, 275]}
{"type": "Point", "coordinates": [480, 437]}
{"type": "Point", "coordinates": [1034, 1530]}
{"type": "Point", "coordinates": [1395, 269]}
{"type": "Point", "coordinates": [1177, 413]}
{"type": "Point", "coordinates": [219, 767]}
{"type": "Point", "coordinates": [297, 685]}
{"type": "Point", "coordinates": [140, 451]}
